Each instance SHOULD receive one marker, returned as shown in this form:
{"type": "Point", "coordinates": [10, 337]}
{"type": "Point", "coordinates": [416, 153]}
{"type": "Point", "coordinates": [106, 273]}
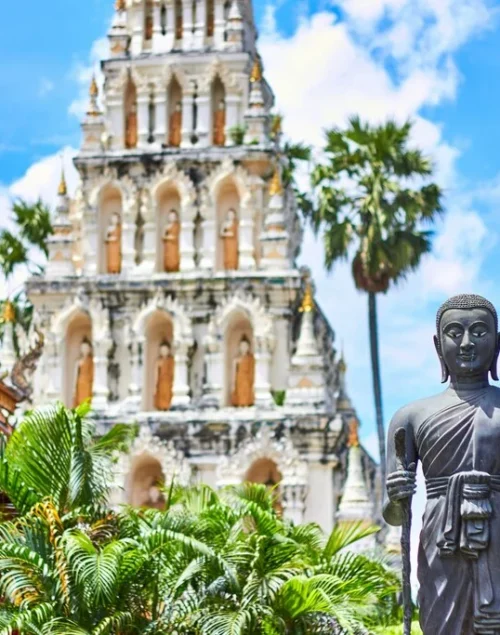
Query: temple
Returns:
{"type": "Point", "coordinates": [172, 296]}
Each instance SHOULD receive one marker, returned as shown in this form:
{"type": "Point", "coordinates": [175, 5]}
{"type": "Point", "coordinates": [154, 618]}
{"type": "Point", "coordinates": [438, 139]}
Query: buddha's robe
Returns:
{"type": "Point", "coordinates": [456, 436]}
{"type": "Point", "coordinates": [131, 130]}
{"type": "Point", "coordinates": [84, 381]}
{"type": "Point", "coordinates": [164, 382]}
{"type": "Point", "coordinates": [243, 395]}
{"type": "Point", "coordinates": [220, 127]}
{"type": "Point", "coordinates": [171, 251]}
{"type": "Point", "coordinates": [114, 250]}
{"type": "Point", "coordinates": [175, 130]}
{"type": "Point", "coordinates": [230, 241]}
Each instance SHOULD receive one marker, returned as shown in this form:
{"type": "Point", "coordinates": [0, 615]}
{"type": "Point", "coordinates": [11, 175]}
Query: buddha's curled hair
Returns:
{"type": "Point", "coordinates": [466, 301]}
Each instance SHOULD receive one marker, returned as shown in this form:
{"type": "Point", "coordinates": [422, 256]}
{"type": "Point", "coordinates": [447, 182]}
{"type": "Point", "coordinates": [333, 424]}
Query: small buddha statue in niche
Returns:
{"type": "Point", "coordinates": [175, 128]}
{"type": "Point", "coordinates": [164, 378]}
{"type": "Point", "coordinates": [114, 245]}
{"type": "Point", "coordinates": [155, 498]}
{"type": "Point", "coordinates": [148, 26]}
{"type": "Point", "coordinates": [229, 234]}
{"type": "Point", "coordinates": [220, 124]}
{"type": "Point", "coordinates": [244, 376]}
{"type": "Point", "coordinates": [178, 20]}
{"type": "Point", "coordinates": [131, 127]}
{"type": "Point", "coordinates": [84, 382]}
{"type": "Point", "coordinates": [171, 251]}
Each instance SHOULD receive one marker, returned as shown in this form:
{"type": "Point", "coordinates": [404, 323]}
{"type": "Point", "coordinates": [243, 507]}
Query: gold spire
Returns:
{"type": "Point", "coordinates": [353, 436]}
{"type": "Point", "coordinates": [256, 75]}
{"type": "Point", "coordinates": [9, 314]}
{"type": "Point", "coordinates": [94, 90]}
{"type": "Point", "coordinates": [308, 299]}
{"type": "Point", "coordinates": [120, 5]}
{"type": "Point", "coordinates": [276, 186]}
{"type": "Point", "coordinates": [63, 188]}
{"type": "Point", "coordinates": [276, 126]}
{"type": "Point", "coordinates": [342, 364]}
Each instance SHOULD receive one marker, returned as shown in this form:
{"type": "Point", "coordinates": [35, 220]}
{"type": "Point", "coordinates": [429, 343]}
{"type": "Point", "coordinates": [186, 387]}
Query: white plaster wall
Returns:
{"type": "Point", "coordinates": [198, 360]}
{"type": "Point", "coordinates": [281, 359]}
{"type": "Point", "coordinates": [319, 502]}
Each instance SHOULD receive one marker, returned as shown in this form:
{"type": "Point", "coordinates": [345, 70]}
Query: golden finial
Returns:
{"type": "Point", "coordinates": [276, 186]}
{"type": "Point", "coordinates": [353, 436]}
{"type": "Point", "coordinates": [62, 190]}
{"type": "Point", "coordinates": [256, 75]}
{"type": "Point", "coordinates": [9, 313]}
{"type": "Point", "coordinates": [342, 366]}
{"type": "Point", "coordinates": [276, 126]}
{"type": "Point", "coordinates": [94, 90]}
{"type": "Point", "coordinates": [120, 5]}
{"type": "Point", "coordinates": [308, 299]}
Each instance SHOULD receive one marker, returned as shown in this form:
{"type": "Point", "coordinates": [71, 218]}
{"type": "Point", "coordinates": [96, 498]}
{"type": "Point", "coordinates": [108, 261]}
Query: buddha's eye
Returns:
{"type": "Point", "coordinates": [480, 333]}
{"type": "Point", "coordinates": [454, 334]}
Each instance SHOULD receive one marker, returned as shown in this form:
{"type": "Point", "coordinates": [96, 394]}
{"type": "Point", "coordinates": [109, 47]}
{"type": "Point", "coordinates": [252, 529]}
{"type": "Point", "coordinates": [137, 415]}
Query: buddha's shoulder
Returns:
{"type": "Point", "coordinates": [415, 411]}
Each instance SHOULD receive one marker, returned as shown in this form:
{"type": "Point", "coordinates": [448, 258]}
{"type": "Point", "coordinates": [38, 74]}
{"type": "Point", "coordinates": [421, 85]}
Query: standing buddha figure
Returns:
{"type": "Point", "coordinates": [178, 20]}
{"type": "Point", "coordinates": [164, 378]}
{"type": "Point", "coordinates": [131, 127]}
{"type": "Point", "coordinates": [244, 376]}
{"type": "Point", "coordinates": [175, 128]}
{"type": "Point", "coordinates": [114, 245]}
{"type": "Point", "coordinates": [220, 124]}
{"type": "Point", "coordinates": [171, 251]}
{"type": "Point", "coordinates": [84, 382]}
{"type": "Point", "coordinates": [229, 234]}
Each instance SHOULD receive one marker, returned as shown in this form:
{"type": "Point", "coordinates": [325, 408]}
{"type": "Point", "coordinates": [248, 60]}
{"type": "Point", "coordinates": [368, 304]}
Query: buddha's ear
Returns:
{"type": "Point", "coordinates": [494, 363]}
{"type": "Point", "coordinates": [444, 368]}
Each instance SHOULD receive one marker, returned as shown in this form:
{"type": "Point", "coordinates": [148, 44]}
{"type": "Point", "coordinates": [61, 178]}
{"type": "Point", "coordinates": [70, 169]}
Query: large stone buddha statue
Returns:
{"type": "Point", "coordinates": [164, 378]}
{"type": "Point", "coordinates": [175, 126]}
{"type": "Point", "coordinates": [84, 382]}
{"type": "Point", "coordinates": [220, 124]}
{"type": "Point", "coordinates": [243, 394]}
{"type": "Point", "coordinates": [171, 236]}
{"type": "Point", "coordinates": [114, 245]}
{"type": "Point", "coordinates": [455, 435]}
{"type": "Point", "coordinates": [229, 235]}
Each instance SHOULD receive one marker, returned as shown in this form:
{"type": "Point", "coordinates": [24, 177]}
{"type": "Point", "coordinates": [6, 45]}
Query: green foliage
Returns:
{"type": "Point", "coordinates": [279, 397]}
{"type": "Point", "coordinates": [237, 134]}
{"type": "Point", "coordinates": [209, 564]}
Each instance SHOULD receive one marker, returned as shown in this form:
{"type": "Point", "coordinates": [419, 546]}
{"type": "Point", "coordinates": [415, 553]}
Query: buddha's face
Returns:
{"type": "Point", "coordinates": [164, 350]}
{"type": "Point", "coordinates": [115, 220]}
{"type": "Point", "coordinates": [468, 341]}
{"type": "Point", "coordinates": [244, 347]}
{"type": "Point", "coordinates": [85, 349]}
{"type": "Point", "coordinates": [231, 216]}
{"type": "Point", "coordinates": [178, 106]}
{"type": "Point", "coordinates": [172, 216]}
{"type": "Point", "coordinates": [222, 105]}
{"type": "Point", "coordinates": [154, 494]}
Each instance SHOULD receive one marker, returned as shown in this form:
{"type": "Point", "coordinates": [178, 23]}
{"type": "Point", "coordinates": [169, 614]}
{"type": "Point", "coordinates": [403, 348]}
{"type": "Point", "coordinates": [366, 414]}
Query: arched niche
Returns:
{"type": "Point", "coordinates": [159, 329]}
{"type": "Point", "coordinates": [110, 203]}
{"type": "Point", "coordinates": [174, 113]}
{"type": "Point", "coordinates": [218, 103]}
{"type": "Point", "coordinates": [238, 327]}
{"type": "Point", "coordinates": [227, 199]}
{"type": "Point", "coordinates": [131, 135]}
{"type": "Point", "coordinates": [266, 472]}
{"type": "Point", "coordinates": [143, 481]}
{"type": "Point", "coordinates": [79, 329]}
{"type": "Point", "coordinates": [168, 200]}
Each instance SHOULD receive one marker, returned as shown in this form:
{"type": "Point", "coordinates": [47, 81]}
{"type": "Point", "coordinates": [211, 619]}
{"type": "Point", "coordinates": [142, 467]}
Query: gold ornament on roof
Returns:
{"type": "Point", "coordinates": [342, 364]}
{"type": "Point", "coordinates": [256, 75]}
{"type": "Point", "coordinates": [94, 90]}
{"type": "Point", "coordinates": [62, 190]}
{"type": "Point", "coordinates": [276, 186]}
{"type": "Point", "coordinates": [353, 436]}
{"type": "Point", "coordinates": [308, 299]}
{"type": "Point", "coordinates": [9, 313]}
{"type": "Point", "coordinates": [276, 126]}
{"type": "Point", "coordinates": [120, 5]}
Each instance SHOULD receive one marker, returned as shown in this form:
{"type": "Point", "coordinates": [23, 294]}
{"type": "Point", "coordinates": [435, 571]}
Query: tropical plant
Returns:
{"type": "Point", "coordinates": [374, 204]}
{"type": "Point", "coordinates": [237, 134]}
{"type": "Point", "coordinates": [208, 564]}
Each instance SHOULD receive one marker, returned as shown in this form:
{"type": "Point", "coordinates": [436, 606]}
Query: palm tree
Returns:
{"type": "Point", "coordinates": [372, 206]}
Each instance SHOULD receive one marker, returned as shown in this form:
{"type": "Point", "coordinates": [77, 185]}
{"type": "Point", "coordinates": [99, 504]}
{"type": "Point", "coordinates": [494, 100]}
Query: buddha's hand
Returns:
{"type": "Point", "coordinates": [402, 484]}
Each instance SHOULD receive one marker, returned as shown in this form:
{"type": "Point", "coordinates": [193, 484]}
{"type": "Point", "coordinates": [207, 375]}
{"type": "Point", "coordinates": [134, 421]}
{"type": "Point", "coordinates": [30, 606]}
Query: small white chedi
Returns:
{"type": "Point", "coordinates": [183, 232]}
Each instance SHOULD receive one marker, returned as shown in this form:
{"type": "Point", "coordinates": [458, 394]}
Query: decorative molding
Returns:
{"type": "Point", "coordinates": [178, 179]}
{"type": "Point", "coordinates": [182, 326]}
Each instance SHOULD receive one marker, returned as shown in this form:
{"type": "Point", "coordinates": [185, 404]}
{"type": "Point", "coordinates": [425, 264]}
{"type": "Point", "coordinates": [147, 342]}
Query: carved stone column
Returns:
{"type": "Point", "coordinates": [263, 395]}
{"type": "Point", "coordinates": [90, 237]}
{"type": "Point", "coordinates": [137, 20]}
{"type": "Point", "coordinates": [210, 238]}
{"type": "Point", "coordinates": [187, 22]}
{"type": "Point", "coordinates": [233, 103]}
{"type": "Point", "coordinates": [219, 25]}
{"type": "Point", "coordinates": [213, 387]}
{"type": "Point", "coordinates": [101, 344]}
{"type": "Point", "coordinates": [128, 234]}
{"type": "Point", "coordinates": [161, 109]}
{"type": "Point", "coordinates": [115, 114]}
{"type": "Point", "coordinates": [143, 99]}
{"type": "Point", "coordinates": [294, 501]}
{"type": "Point", "coordinates": [170, 35]}
{"type": "Point", "coordinates": [204, 124]}
{"type": "Point", "coordinates": [136, 350]}
{"type": "Point", "coordinates": [157, 34]}
{"type": "Point", "coordinates": [187, 245]}
{"type": "Point", "coordinates": [181, 387]}
{"type": "Point", "coordinates": [246, 246]}
{"type": "Point", "coordinates": [200, 26]}
{"type": "Point", "coordinates": [149, 229]}
{"type": "Point", "coordinates": [187, 119]}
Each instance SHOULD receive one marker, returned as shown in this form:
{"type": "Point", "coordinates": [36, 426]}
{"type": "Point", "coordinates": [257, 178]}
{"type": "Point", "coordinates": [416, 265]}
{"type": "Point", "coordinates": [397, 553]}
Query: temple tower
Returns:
{"type": "Point", "coordinates": [173, 298]}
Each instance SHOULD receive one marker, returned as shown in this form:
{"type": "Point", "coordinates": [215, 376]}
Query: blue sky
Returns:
{"type": "Point", "coordinates": [436, 61]}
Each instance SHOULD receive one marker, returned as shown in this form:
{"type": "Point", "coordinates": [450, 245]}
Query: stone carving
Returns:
{"type": "Point", "coordinates": [25, 366]}
{"type": "Point", "coordinates": [229, 235]}
{"type": "Point", "coordinates": [182, 327]}
{"type": "Point", "coordinates": [179, 180]}
{"type": "Point", "coordinates": [164, 378]}
{"type": "Point", "coordinates": [260, 320]}
{"type": "Point", "coordinates": [113, 245]}
{"type": "Point", "coordinates": [84, 381]}
{"type": "Point", "coordinates": [171, 251]}
{"type": "Point", "coordinates": [243, 394]}
{"type": "Point", "coordinates": [455, 435]}
{"type": "Point", "coordinates": [175, 126]}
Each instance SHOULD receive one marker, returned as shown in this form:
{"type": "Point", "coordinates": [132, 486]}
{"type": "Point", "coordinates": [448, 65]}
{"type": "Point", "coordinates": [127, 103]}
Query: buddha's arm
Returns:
{"type": "Point", "coordinates": [393, 510]}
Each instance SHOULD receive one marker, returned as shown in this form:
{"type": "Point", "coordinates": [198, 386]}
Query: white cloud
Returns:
{"type": "Point", "coordinates": [82, 73]}
{"type": "Point", "coordinates": [46, 87]}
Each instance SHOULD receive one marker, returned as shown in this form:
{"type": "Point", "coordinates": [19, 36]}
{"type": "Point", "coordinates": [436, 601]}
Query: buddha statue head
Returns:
{"type": "Point", "coordinates": [155, 494]}
{"type": "Point", "coordinates": [467, 339]}
{"type": "Point", "coordinates": [222, 105]}
{"type": "Point", "coordinates": [244, 346]}
{"type": "Point", "coordinates": [165, 349]}
{"type": "Point", "coordinates": [172, 216]}
{"type": "Point", "coordinates": [86, 348]}
{"type": "Point", "coordinates": [114, 220]}
{"type": "Point", "coordinates": [178, 106]}
{"type": "Point", "coordinates": [231, 215]}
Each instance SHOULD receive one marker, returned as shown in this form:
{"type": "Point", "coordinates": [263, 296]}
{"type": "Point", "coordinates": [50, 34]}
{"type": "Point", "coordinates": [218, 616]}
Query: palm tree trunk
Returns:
{"type": "Point", "coordinates": [377, 382]}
